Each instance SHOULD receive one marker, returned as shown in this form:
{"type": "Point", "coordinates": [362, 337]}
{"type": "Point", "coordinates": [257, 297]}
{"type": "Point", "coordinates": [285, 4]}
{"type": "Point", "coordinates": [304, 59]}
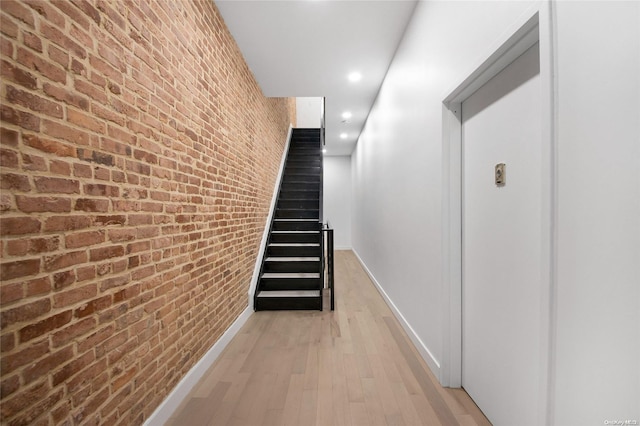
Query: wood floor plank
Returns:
{"type": "Point", "coordinates": [358, 413]}
{"type": "Point", "coordinates": [442, 410]}
{"type": "Point", "coordinates": [351, 367]}
{"type": "Point", "coordinates": [293, 400]}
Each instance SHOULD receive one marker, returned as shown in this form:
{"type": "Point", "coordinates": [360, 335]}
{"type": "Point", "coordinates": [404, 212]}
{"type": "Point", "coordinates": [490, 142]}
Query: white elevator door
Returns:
{"type": "Point", "coordinates": [501, 123]}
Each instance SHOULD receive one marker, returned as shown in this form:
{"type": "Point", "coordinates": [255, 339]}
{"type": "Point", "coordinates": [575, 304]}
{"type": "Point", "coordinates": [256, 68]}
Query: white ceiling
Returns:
{"type": "Point", "coordinates": [308, 47]}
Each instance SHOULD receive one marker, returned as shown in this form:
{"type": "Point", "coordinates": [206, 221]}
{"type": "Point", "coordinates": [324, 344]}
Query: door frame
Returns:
{"type": "Point", "coordinates": [536, 25]}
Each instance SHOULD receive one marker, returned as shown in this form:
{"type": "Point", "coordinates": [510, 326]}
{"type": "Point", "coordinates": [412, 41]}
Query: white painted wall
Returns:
{"type": "Point", "coordinates": [598, 264]}
{"type": "Point", "coordinates": [308, 112]}
{"type": "Point", "coordinates": [397, 164]}
{"type": "Point", "coordinates": [397, 191]}
{"type": "Point", "coordinates": [337, 198]}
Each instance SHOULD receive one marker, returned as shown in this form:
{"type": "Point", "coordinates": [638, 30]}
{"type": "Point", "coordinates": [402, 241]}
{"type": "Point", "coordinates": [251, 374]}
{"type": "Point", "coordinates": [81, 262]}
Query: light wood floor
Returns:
{"type": "Point", "coordinates": [353, 366]}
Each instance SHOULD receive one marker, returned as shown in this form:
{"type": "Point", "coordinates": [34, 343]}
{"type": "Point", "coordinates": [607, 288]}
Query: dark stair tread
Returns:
{"type": "Point", "coordinates": [295, 232]}
{"type": "Point", "coordinates": [293, 259]}
{"type": "Point", "coordinates": [295, 244]}
{"type": "Point", "coordinates": [290, 275]}
{"type": "Point", "coordinates": [289, 293]}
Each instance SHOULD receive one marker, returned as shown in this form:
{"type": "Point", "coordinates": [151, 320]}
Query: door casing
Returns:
{"type": "Point", "coordinates": [536, 25]}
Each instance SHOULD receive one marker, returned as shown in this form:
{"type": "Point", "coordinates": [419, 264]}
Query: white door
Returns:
{"type": "Point", "coordinates": [501, 123]}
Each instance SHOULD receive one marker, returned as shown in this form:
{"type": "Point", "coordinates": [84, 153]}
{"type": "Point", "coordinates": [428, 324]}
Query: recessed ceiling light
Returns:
{"type": "Point", "coordinates": [324, 151]}
{"type": "Point", "coordinates": [343, 135]}
{"type": "Point", "coordinates": [346, 115]}
{"type": "Point", "coordinates": [354, 76]}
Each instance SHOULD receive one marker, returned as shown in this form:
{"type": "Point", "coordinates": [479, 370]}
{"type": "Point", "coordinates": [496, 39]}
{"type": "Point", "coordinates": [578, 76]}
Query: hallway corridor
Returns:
{"type": "Point", "coordinates": [354, 366]}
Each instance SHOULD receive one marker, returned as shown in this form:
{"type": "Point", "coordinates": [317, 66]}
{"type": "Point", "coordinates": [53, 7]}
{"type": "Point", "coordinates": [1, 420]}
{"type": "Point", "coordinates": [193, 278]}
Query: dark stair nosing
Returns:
{"type": "Point", "coordinates": [300, 231]}
{"type": "Point", "coordinates": [295, 244]}
{"type": "Point", "coordinates": [289, 293]}
{"type": "Point", "coordinates": [290, 275]}
{"type": "Point", "coordinates": [293, 259]}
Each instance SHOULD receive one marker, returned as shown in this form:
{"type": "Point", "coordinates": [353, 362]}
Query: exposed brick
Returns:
{"type": "Point", "coordinates": [88, 10]}
{"type": "Point", "coordinates": [96, 338]}
{"type": "Point", "coordinates": [66, 223]}
{"type": "Point", "coordinates": [19, 269]}
{"type": "Point", "coordinates": [93, 306]}
{"type": "Point", "coordinates": [59, 167]}
{"type": "Point", "coordinates": [47, 11]}
{"type": "Point", "coordinates": [132, 178]}
{"type": "Point", "coordinates": [82, 170]}
{"type": "Point", "coordinates": [92, 205]}
{"type": "Point", "coordinates": [49, 146]}
{"type": "Point", "coordinates": [63, 279]}
{"type": "Point", "coordinates": [86, 121]}
{"type": "Point", "coordinates": [73, 331]}
{"type": "Point", "coordinates": [25, 312]}
{"type": "Point", "coordinates": [84, 239]}
{"type": "Point", "coordinates": [110, 283]}
{"type": "Point", "coordinates": [85, 273]}
{"type": "Point", "coordinates": [8, 27]}
{"type": "Point", "coordinates": [91, 405]}
{"type": "Point", "coordinates": [19, 11]}
{"type": "Point", "coordinates": [97, 94]}
{"type": "Point", "coordinates": [26, 246]}
{"type": "Point", "coordinates": [60, 261]}
{"type": "Point", "coordinates": [33, 41]}
{"type": "Point", "coordinates": [34, 416]}
{"type": "Point", "coordinates": [9, 386]}
{"type": "Point", "coordinates": [8, 137]}
{"type": "Point", "coordinates": [50, 362]}
{"type": "Point", "coordinates": [74, 295]}
{"type": "Point", "coordinates": [37, 286]}
{"type": "Point", "coordinates": [9, 158]}
{"type": "Point", "coordinates": [58, 55]}
{"type": "Point", "coordinates": [6, 202]}
{"type": "Point", "coordinates": [44, 326]}
{"type": "Point", "coordinates": [96, 157]}
{"type": "Point", "coordinates": [43, 204]}
{"type": "Point", "coordinates": [23, 119]}
{"type": "Point", "coordinates": [47, 69]}
{"type": "Point", "coordinates": [18, 75]}
{"type": "Point", "coordinates": [22, 401]}
{"type": "Point", "coordinates": [10, 293]}
{"type": "Point", "coordinates": [57, 185]}
{"type": "Point", "coordinates": [15, 182]}
{"type": "Point", "coordinates": [34, 102]}
{"type": "Point", "coordinates": [19, 225]}
{"type": "Point", "coordinates": [66, 95]}
{"type": "Point", "coordinates": [34, 163]}
{"type": "Point", "coordinates": [75, 366]}
{"type": "Point", "coordinates": [6, 45]}
{"type": "Point", "coordinates": [58, 130]}
{"type": "Point", "coordinates": [110, 220]}
{"type": "Point", "coordinates": [56, 36]}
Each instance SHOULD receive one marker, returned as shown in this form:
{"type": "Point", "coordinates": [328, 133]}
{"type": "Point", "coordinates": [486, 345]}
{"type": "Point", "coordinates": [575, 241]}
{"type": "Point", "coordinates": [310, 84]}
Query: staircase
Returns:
{"type": "Point", "coordinates": [292, 268]}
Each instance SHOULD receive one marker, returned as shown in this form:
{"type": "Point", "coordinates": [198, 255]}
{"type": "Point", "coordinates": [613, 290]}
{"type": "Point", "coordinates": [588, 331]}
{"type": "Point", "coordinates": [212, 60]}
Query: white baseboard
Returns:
{"type": "Point", "coordinates": [171, 403]}
{"type": "Point", "coordinates": [424, 352]}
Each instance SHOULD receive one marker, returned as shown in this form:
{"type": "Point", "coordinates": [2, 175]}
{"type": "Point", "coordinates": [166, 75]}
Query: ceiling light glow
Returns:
{"type": "Point", "coordinates": [343, 135]}
{"type": "Point", "coordinates": [324, 151]}
{"type": "Point", "coordinates": [346, 115]}
{"type": "Point", "coordinates": [354, 76]}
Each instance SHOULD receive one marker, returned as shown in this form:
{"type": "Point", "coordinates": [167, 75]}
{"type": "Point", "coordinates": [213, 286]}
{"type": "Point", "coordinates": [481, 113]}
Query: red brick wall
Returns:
{"type": "Point", "coordinates": [138, 161]}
